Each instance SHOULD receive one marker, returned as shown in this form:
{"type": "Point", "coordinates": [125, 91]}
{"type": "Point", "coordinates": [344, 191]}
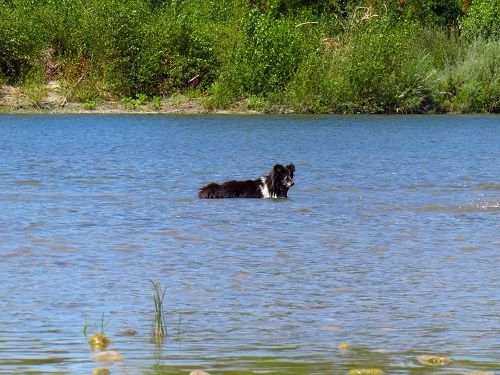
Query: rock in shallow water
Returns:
{"type": "Point", "coordinates": [433, 360]}
{"type": "Point", "coordinates": [129, 332]}
{"type": "Point", "coordinates": [100, 371]}
{"type": "Point", "coordinates": [107, 356]}
{"type": "Point", "coordinates": [366, 371]}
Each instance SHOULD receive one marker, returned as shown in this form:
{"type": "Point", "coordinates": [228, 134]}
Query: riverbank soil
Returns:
{"type": "Point", "coordinates": [52, 99]}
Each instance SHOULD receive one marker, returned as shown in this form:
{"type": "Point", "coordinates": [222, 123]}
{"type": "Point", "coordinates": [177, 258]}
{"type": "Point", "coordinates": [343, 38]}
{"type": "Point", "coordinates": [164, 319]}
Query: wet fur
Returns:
{"type": "Point", "coordinates": [274, 185]}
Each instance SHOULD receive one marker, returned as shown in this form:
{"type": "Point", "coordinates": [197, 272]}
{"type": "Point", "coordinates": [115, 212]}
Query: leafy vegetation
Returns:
{"type": "Point", "coordinates": [326, 56]}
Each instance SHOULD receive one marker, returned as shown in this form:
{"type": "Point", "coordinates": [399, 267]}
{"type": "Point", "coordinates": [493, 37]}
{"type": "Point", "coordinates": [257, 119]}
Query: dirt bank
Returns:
{"type": "Point", "coordinates": [14, 99]}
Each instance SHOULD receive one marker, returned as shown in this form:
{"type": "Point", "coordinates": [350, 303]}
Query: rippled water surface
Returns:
{"type": "Point", "coordinates": [389, 242]}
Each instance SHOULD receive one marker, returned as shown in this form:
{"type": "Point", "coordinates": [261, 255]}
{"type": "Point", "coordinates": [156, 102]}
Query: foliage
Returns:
{"type": "Point", "coordinates": [264, 59]}
{"type": "Point", "coordinates": [90, 105]}
{"type": "Point", "coordinates": [33, 87]}
{"type": "Point", "coordinates": [377, 67]}
{"type": "Point", "coordinates": [266, 55]}
{"type": "Point", "coordinates": [21, 40]}
{"type": "Point", "coordinates": [482, 19]}
{"type": "Point", "coordinates": [427, 12]}
{"type": "Point", "coordinates": [473, 84]}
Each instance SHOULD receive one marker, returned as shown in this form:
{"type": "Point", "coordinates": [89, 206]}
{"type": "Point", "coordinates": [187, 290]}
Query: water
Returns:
{"type": "Point", "coordinates": [389, 242]}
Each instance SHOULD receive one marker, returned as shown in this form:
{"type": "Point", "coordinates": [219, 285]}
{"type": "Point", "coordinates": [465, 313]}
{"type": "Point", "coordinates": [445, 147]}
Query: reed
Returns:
{"type": "Point", "coordinates": [160, 327]}
{"type": "Point", "coordinates": [98, 341]}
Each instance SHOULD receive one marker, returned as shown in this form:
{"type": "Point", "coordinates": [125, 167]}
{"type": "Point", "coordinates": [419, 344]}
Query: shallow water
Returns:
{"type": "Point", "coordinates": [389, 242]}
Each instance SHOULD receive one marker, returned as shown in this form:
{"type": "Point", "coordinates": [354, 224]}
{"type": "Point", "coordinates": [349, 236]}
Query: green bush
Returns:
{"type": "Point", "coordinates": [482, 20]}
{"type": "Point", "coordinates": [21, 40]}
{"type": "Point", "coordinates": [426, 12]}
{"type": "Point", "coordinates": [378, 66]}
{"type": "Point", "coordinates": [473, 83]}
{"type": "Point", "coordinates": [263, 62]}
{"type": "Point", "coordinates": [172, 53]}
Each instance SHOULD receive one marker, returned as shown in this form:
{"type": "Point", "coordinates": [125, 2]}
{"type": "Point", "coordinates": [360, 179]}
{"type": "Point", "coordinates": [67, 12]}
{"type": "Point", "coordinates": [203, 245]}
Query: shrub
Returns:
{"type": "Point", "coordinates": [426, 12]}
{"type": "Point", "coordinates": [473, 83]}
{"type": "Point", "coordinates": [263, 62]}
{"type": "Point", "coordinates": [482, 20]}
{"type": "Point", "coordinates": [376, 66]}
{"type": "Point", "coordinates": [172, 53]}
{"type": "Point", "coordinates": [21, 40]}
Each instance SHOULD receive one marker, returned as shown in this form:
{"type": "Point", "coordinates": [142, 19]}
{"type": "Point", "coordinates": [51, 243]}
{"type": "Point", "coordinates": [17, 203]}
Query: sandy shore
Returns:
{"type": "Point", "coordinates": [14, 100]}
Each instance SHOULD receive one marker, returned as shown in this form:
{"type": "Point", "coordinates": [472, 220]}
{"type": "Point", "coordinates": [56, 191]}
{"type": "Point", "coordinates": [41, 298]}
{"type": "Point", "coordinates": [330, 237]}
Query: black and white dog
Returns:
{"type": "Point", "coordinates": [274, 185]}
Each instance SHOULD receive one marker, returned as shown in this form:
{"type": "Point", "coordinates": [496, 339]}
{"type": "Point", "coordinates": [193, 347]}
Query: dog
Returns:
{"type": "Point", "coordinates": [274, 185]}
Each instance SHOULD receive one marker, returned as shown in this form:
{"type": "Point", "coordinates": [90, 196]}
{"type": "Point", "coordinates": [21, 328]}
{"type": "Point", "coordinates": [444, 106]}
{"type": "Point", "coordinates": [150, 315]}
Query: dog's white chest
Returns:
{"type": "Point", "coordinates": [265, 189]}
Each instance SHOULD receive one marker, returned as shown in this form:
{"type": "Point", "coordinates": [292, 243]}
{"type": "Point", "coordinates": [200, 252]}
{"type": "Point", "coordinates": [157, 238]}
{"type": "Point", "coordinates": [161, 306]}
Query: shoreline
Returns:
{"type": "Point", "coordinates": [14, 101]}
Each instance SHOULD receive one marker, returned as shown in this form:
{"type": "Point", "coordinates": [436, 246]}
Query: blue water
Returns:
{"type": "Point", "coordinates": [389, 242]}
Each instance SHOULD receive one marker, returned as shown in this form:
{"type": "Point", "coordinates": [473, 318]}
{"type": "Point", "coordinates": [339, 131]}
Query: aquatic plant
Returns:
{"type": "Point", "coordinates": [98, 341]}
{"type": "Point", "coordinates": [160, 327]}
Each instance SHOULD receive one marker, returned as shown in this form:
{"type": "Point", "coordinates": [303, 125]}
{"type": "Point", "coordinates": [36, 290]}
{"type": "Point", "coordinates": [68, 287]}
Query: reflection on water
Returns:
{"type": "Point", "coordinates": [385, 254]}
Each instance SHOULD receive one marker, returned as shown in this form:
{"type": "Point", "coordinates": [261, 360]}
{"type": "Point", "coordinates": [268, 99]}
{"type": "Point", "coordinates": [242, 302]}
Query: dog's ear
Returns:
{"type": "Point", "coordinates": [278, 168]}
{"type": "Point", "coordinates": [291, 168]}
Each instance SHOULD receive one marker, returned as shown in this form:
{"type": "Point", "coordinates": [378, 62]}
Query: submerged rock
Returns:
{"type": "Point", "coordinates": [366, 371]}
{"type": "Point", "coordinates": [433, 360]}
{"type": "Point", "coordinates": [107, 356]}
{"type": "Point", "coordinates": [129, 332]}
{"type": "Point", "coordinates": [344, 346]}
{"type": "Point", "coordinates": [100, 371]}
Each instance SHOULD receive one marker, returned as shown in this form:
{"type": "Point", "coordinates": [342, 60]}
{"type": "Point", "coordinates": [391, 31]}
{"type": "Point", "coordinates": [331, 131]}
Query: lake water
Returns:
{"type": "Point", "coordinates": [389, 242]}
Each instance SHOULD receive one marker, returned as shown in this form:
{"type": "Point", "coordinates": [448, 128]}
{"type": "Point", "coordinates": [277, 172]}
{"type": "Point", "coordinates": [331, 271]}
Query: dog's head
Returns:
{"type": "Point", "coordinates": [283, 175]}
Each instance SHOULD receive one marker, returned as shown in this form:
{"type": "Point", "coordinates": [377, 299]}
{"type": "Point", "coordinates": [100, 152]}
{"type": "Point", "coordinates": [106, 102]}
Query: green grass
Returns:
{"type": "Point", "coordinates": [90, 105]}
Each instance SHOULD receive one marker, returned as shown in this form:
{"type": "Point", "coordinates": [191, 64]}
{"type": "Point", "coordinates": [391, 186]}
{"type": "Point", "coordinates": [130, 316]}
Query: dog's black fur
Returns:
{"type": "Point", "coordinates": [274, 185]}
